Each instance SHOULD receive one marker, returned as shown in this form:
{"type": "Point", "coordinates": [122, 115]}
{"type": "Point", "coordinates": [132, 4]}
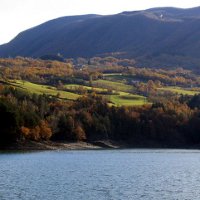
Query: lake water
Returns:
{"type": "Point", "coordinates": [99, 175]}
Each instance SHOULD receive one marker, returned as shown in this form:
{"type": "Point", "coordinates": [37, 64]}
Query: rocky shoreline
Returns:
{"type": "Point", "coordinates": [96, 145]}
{"type": "Point", "coordinates": [49, 145]}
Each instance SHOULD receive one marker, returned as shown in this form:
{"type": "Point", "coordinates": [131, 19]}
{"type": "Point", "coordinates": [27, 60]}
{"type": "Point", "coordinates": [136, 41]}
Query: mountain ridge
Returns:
{"type": "Point", "coordinates": [157, 36]}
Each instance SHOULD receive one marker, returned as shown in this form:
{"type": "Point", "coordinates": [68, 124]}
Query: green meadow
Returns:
{"type": "Point", "coordinates": [43, 89]}
{"type": "Point", "coordinates": [118, 98]}
{"type": "Point", "coordinates": [112, 85]}
{"type": "Point", "coordinates": [179, 90]}
{"type": "Point", "coordinates": [77, 86]}
{"type": "Point", "coordinates": [127, 99]}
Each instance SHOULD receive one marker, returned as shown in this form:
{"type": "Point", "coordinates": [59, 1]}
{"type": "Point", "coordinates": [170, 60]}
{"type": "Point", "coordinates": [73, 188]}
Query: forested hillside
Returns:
{"type": "Point", "coordinates": [103, 100]}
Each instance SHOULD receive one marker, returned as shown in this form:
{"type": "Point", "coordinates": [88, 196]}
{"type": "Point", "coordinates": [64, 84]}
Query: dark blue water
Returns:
{"type": "Point", "coordinates": [99, 175]}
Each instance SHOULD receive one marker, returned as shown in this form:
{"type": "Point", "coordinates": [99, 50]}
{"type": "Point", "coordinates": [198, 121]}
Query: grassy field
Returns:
{"type": "Point", "coordinates": [120, 99]}
{"type": "Point", "coordinates": [112, 85]}
{"type": "Point", "coordinates": [127, 99]}
{"type": "Point", "coordinates": [112, 74]}
{"type": "Point", "coordinates": [75, 86]}
{"type": "Point", "coordinates": [179, 90]}
{"type": "Point", "coordinates": [118, 77]}
{"type": "Point", "coordinates": [43, 89]}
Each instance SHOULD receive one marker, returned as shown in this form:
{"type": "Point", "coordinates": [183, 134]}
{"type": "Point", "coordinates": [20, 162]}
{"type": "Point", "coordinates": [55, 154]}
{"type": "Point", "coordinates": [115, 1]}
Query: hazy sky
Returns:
{"type": "Point", "coordinates": [18, 15]}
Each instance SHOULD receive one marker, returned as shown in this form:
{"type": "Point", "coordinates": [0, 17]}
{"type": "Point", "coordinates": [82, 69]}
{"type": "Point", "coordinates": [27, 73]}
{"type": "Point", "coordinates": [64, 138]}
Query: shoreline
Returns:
{"type": "Point", "coordinates": [50, 145]}
{"type": "Point", "coordinates": [96, 145]}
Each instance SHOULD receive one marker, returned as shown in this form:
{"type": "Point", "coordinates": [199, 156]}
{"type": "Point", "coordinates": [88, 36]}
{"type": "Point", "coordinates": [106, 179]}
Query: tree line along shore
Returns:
{"type": "Point", "coordinates": [90, 102]}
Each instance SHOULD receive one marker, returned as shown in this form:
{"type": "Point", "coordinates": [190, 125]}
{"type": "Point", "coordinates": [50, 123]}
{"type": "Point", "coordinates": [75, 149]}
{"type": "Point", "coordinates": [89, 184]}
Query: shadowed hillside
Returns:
{"type": "Point", "coordinates": [158, 37]}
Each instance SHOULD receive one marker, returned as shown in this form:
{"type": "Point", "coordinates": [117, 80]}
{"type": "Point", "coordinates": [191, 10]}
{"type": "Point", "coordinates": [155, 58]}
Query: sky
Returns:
{"type": "Point", "coordinates": [19, 15]}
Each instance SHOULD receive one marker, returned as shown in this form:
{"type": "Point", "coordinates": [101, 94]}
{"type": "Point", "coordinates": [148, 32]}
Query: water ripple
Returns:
{"type": "Point", "coordinates": [101, 175]}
